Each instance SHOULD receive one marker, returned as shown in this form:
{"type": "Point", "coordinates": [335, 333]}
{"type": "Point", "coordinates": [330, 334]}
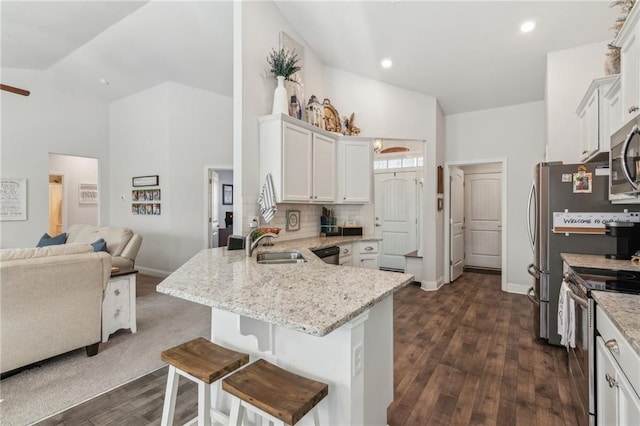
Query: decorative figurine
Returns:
{"type": "Point", "coordinates": [314, 112]}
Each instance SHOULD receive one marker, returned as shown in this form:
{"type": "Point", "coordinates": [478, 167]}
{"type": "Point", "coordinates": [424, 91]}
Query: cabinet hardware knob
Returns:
{"type": "Point", "coordinates": [369, 248]}
{"type": "Point", "coordinates": [116, 292]}
{"type": "Point", "coordinates": [311, 197]}
{"type": "Point", "coordinates": [633, 109]}
{"type": "Point", "coordinates": [612, 345]}
{"type": "Point", "coordinates": [612, 381]}
{"type": "Point", "coordinates": [344, 198]}
{"type": "Point", "coordinates": [316, 197]}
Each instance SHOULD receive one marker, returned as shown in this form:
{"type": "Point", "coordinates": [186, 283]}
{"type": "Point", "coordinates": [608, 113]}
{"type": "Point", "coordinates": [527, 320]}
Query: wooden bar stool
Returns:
{"type": "Point", "coordinates": [277, 395]}
{"type": "Point", "coordinates": [203, 362]}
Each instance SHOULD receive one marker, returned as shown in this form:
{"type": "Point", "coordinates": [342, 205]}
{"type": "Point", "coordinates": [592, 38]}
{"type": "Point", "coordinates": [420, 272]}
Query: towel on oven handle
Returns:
{"type": "Point", "coordinates": [566, 317]}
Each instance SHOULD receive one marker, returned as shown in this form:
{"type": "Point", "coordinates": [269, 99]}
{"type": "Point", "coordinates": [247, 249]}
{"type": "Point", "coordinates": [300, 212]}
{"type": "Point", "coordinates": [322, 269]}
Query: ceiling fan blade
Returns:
{"type": "Point", "coordinates": [14, 90]}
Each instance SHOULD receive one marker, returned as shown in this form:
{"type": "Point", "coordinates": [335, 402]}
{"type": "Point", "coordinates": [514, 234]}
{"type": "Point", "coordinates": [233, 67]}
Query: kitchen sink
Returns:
{"type": "Point", "coordinates": [280, 257]}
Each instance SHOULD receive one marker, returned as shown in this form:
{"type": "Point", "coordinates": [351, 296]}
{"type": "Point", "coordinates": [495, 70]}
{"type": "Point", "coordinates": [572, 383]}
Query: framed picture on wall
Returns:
{"type": "Point", "coordinates": [227, 194]}
{"type": "Point", "coordinates": [88, 193]}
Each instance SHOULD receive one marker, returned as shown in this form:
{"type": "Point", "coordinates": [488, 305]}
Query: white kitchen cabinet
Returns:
{"type": "Point", "coordinates": [368, 254]}
{"type": "Point", "coordinates": [628, 39]}
{"type": "Point", "coordinates": [593, 114]}
{"type": "Point", "coordinates": [346, 255]}
{"type": "Point", "coordinates": [302, 162]}
{"type": "Point", "coordinates": [354, 171]}
{"type": "Point", "coordinates": [617, 402]}
{"type": "Point", "coordinates": [617, 375]}
{"type": "Point", "coordinates": [614, 105]}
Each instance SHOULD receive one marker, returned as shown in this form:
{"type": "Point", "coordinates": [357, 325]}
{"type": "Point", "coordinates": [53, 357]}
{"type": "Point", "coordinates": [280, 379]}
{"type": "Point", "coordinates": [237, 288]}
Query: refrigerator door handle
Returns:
{"type": "Point", "coordinates": [532, 200]}
{"type": "Point", "coordinates": [534, 271]}
{"type": "Point", "coordinates": [531, 294]}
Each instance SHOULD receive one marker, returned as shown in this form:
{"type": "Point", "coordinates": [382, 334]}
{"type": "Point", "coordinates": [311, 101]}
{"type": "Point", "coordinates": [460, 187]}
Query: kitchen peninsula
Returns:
{"type": "Point", "coordinates": [326, 322]}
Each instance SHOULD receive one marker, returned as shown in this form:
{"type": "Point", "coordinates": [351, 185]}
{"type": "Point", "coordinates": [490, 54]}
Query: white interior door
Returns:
{"type": "Point", "coordinates": [396, 216]}
{"type": "Point", "coordinates": [214, 209]}
{"type": "Point", "coordinates": [456, 182]}
{"type": "Point", "coordinates": [483, 207]}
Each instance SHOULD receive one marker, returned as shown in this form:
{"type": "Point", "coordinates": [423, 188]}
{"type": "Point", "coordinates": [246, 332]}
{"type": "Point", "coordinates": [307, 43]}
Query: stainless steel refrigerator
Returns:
{"type": "Point", "coordinates": [553, 191]}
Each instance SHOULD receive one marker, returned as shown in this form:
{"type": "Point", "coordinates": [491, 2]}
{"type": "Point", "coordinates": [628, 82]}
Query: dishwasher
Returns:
{"type": "Point", "coordinates": [329, 255]}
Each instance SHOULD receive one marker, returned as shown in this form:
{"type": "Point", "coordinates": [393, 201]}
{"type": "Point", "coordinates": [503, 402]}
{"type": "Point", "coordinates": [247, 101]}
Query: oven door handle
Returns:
{"type": "Point", "coordinates": [579, 300]}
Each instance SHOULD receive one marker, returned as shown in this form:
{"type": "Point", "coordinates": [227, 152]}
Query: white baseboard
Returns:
{"type": "Point", "coordinates": [517, 288]}
{"type": "Point", "coordinates": [431, 285]}
{"type": "Point", "coordinates": [153, 272]}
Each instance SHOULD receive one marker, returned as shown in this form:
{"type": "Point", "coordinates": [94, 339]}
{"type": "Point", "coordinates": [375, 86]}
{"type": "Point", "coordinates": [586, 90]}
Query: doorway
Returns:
{"type": "Point", "coordinates": [74, 193]}
{"type": "Point", "coordinates": [219, 206]}
{"type": "Point", "coordinates": [476, 215]}
{"type": "Point", "coordinates": [396, 213]}
{"type": "Point", "coordinates": [56, 205]}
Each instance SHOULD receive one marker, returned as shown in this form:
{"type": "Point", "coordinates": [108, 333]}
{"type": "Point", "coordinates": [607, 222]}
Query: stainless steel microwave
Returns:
{"type": "Point", "coordinates": [625, 159]}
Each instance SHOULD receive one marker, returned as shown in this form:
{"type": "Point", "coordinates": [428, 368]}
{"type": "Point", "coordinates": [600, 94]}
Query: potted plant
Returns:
{"type": "Point", "coordinates": [284, 64]}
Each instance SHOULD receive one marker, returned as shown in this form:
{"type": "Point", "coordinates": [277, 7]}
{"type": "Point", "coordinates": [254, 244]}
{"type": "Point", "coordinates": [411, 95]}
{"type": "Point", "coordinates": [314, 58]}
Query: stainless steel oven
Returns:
{"type": "Point", "coordinates": [582, 359]}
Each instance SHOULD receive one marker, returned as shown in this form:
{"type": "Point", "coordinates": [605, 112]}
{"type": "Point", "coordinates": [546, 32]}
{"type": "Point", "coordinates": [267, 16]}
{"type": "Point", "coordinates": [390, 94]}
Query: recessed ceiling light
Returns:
{"type": "Point", "coordinates": [527, 26]}
{"type": "Point", "coordinates": [386, 63]}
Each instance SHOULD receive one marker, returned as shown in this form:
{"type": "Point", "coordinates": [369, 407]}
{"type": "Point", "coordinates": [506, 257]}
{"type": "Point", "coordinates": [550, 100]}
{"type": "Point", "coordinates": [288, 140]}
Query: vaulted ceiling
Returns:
{"type": "Point", "coordinates": [470, 55]}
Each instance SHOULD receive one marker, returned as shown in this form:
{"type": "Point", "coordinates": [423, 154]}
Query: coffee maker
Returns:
{"type": "Point", "coordinates": [627, 235]}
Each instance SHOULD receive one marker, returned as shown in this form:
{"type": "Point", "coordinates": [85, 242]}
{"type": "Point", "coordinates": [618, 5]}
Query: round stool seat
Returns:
{"type": "Point", "coordinates": [278, 392]}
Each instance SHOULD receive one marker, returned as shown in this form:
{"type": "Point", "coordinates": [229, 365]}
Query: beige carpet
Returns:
{"type": "Point", "coordinates": [67, 380]}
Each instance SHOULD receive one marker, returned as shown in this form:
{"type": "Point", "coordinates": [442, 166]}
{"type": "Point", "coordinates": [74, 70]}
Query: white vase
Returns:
{"type": "Point", "coordinates": [280, 104]}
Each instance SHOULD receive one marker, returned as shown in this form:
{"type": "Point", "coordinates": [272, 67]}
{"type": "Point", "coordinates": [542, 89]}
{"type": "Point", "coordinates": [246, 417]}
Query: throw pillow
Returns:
{"type": "Point", "coordinates": [48, 240]}
{"type": "Point", "coordinates": [99, 245]}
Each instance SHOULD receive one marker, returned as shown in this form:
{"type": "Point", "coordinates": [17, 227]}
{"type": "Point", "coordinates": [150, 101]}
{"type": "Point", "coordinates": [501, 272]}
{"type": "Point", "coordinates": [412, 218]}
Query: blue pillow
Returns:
{"type": "Point", "coordinates": [99, 245]}
{"type": "Point", "coordinates": [48, 240]}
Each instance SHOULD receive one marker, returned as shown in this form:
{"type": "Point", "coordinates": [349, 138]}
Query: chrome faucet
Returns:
{"type": "Point", "coordinates": [250, 246]}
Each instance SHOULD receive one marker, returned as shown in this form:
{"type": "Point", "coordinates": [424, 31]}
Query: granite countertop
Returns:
{"type": "Point", "coordinates": [624, 310]}
{"type": "Point", "coordinates": [598, 261]}
{"type": "Point", "coordinates": [312, 297]}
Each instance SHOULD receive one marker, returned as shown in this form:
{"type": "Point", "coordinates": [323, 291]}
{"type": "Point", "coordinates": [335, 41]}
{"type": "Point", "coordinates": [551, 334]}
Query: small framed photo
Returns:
{"type": "Point", "coordinates": [145, 181]}
{"type": "Point", "coordinates": [293, 220]}
{"type": "Point", "coordinates": [227, 194]}
{"type": "Point", "coordinates": [582, 183]}
{"type": "Point", "coordinates": [156, 209]}
{"type": "Point", "coordinates": [87, 193]}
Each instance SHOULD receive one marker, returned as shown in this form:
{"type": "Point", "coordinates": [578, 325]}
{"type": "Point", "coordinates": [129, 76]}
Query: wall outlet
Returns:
{"type": "Point", "coordinates": [357, 360]}
{"type": "Point", "coordinates": [254, 222]}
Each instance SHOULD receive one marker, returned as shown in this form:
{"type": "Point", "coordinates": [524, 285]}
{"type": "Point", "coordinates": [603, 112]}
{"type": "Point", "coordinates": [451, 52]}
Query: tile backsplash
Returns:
{"type": "Point", "coordinates": [310, 218]}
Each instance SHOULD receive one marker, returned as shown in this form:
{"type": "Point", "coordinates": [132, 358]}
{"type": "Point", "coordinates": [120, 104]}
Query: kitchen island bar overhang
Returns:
{"type": "Point", "coordinates": [328, 323]}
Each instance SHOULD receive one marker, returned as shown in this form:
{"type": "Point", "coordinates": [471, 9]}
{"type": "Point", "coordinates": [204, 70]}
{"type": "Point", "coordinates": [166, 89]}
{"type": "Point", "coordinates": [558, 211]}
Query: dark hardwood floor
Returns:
{"type": "Point", "coordinates": [463, 355]}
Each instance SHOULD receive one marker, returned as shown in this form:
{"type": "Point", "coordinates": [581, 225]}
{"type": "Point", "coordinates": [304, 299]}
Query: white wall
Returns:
{"type": "Point", "coordinates": [569, 74]}
{"type": "Point", "coordinates": [261, 23]}
{"type": "Point", "coordinates": [172, 131]}
{"type": "Point", "coordinates": [515, 133]}
{"type": "Point", "coordinates": [55, 118]}
{"type": "Point", "coordinates": [76, 170]}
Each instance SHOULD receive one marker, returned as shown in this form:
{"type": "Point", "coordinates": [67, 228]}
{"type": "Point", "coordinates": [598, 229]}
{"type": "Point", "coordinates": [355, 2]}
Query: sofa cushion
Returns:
{"type": "Point", "coordinates": [32, 253]}
{"type": "Point", "coordinates": [116, 238]}
{"type": "Point", "coordinates": [48, 240]}
{"type": "Point", "coordinates": [99, 245]}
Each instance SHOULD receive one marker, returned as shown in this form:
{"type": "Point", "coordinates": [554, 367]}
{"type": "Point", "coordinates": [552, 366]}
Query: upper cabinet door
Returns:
{"type": "Point", "coordinates": [354, 172]}
{"type": "Point", "coordinates": [324, 169]}
{"type": "Point", "coordinates": [628, 39]}
{"type": "Point", "coordinates": [296, 163]}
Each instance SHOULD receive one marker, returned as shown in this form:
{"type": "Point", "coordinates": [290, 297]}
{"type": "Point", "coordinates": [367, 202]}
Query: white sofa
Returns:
{"type": "Point", "coordinates": [123, 245]}
{"type": "Point", "coordinates": [50, 302]}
